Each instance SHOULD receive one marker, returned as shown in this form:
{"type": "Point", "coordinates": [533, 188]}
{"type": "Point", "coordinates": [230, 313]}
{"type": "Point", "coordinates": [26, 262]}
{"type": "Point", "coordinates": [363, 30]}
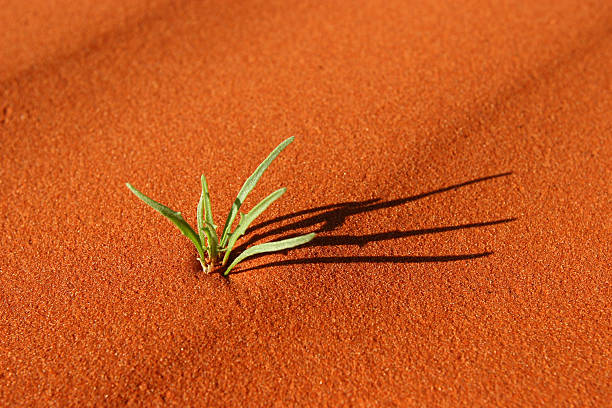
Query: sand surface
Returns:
{"type": "Point", "coordinates": [455, 159]}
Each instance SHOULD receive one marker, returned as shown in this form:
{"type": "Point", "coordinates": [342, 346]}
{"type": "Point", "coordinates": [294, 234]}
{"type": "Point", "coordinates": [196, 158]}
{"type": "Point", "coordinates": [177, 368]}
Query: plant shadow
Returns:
{"type": "Point", "coordinates": [330, 217]}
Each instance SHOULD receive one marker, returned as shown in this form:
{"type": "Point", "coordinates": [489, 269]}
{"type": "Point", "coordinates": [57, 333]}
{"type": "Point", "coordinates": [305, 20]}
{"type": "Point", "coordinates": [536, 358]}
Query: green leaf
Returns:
{"type": "Point", "coordinates": [207, 207]}
{"type": "Point", "coordinates": [246, 220]}
{"type": "Point", "coordinates": [206, 228]}
{"type": "Point", "coordinates": [200, 217]}
{"type": "Point", "coordinates": [270, 247]}
{"type": "Point", "coordinates": [175, 217]}
{"type": "Point", "coordinates": [248, 185]}
{"type": "Point", "coordinates": [213, 244]}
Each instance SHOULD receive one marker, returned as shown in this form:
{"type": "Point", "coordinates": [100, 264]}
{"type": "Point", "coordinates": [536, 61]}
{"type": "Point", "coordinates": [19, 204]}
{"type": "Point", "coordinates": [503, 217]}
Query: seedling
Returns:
{"type": "Point", "coordinates": [213, 250]}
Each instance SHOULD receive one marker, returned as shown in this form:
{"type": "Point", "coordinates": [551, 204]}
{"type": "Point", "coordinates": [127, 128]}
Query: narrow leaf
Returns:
{"type": "Point", "coordinates": [270, 247]}
{"type": "Point", "coordinates": [213, 244]}
{"type": "Point", "coordinates": [200, 217]}
{"type": "Point", "coordinates": [248, 185]}
{"type": "Point", "coordinates": [246, 220]}
{"type": "Point", "coordinates": [175, 217]}
{"type": "Point", "coordinates": [206, 228]}
{"type": "Point", "coordinates": [207, 207]}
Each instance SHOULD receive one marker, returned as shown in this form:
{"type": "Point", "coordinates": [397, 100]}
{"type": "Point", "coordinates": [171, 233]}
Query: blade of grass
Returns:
{"type": "Point", "coordinates": [207, 207]}
{"type": "Point", "coordinates": [248, 185]}
{"type": "Point", "coordinates": [213, 244]}
{"type": "Point", "coordinates": [175, 217]}
{"type": "Point", "coordinates": [200, 217]}
{"type": "Point", "coordinates": [206, 228]}
{"type": "Point", "coordinates": [270, 247]}
{"type": "Point", "coordinates": [246, 220]}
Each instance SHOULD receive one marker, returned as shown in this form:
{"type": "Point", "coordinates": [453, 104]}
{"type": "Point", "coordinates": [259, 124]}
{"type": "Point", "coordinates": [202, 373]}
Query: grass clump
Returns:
{"type": "Point", "coordinates": [214, 250]}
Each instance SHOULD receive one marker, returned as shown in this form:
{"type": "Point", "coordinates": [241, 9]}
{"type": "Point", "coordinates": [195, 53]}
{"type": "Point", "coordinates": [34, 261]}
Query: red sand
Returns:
{"type": "Point", "coordinates": [100, 299]}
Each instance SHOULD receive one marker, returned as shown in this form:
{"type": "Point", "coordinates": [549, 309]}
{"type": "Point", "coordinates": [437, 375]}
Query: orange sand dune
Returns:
{"type": "Point", "coordinates": [455, 159]}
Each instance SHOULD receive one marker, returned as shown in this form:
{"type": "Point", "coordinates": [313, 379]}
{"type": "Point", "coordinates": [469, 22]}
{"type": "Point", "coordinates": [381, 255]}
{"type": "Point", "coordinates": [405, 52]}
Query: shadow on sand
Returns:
{"type": "Point", "coordinates": [328, 218]}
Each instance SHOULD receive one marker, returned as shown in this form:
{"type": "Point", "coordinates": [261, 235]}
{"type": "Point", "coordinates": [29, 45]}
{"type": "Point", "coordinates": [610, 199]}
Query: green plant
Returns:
{"type": "Point", "coordinates": [214, 250]}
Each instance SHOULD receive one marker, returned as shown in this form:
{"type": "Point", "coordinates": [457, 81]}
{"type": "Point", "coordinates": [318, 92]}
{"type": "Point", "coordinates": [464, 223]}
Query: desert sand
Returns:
{"type": "Point", "coordinates": [455, 159]}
